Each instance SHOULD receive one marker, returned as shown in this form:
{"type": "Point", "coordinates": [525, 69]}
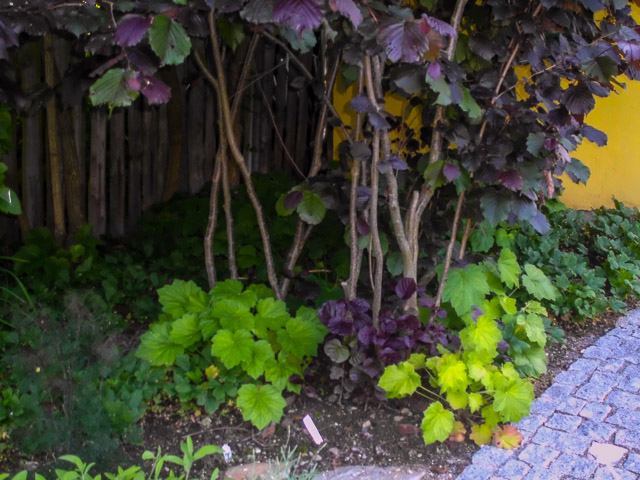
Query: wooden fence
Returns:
{"type": "Point", "coordinates": [124, 157]}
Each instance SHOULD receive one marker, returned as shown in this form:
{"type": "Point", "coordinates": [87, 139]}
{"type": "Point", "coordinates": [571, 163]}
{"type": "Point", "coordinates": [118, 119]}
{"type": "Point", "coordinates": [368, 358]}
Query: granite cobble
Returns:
{"type": "Point", "coordinates": [587, 423]}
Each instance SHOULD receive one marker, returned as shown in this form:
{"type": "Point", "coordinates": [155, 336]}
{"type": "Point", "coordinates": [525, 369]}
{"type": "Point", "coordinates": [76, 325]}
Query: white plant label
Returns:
{"type": "Point", "coordinates": [312, 429]}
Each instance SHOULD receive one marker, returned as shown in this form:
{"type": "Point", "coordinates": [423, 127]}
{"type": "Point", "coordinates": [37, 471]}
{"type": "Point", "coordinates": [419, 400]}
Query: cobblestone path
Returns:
{"type": "Point", "coordinates": [586, 425]}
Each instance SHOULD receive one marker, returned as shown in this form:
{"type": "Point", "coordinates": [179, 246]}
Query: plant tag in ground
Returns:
{"type": "Point", "coordinates": [312, 429]}
{"type": "Point", "coordinates": [226, 451]}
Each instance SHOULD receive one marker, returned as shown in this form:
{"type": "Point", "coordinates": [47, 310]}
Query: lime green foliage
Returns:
{"type": "Point", "coordinates": [157, 471]}
{"type": "Point", "coordinates": [9, 202]}
{"type": "Point", "coordinates": [437, 423]}
{"type": "Point", "coordinates": [216, 346]}
{"type": "Point", "coordinates": [399, 380]}
{"type": "Point", "coordinates": [466, 288]}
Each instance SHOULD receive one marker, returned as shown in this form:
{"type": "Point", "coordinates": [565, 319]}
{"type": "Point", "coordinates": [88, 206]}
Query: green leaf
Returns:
{"type": "Point", "coordinates": [394, 263]}
{"type": "Point", "coordinates": [458, 399]}
{"type": "Point", "coordinates": [278, 372]}
{"type": "Point", "coordinates": [535, 142]}
{"type": "Point", "coordinates": [311, 209]}
{"type": "Point", "coordinates": [433, 174]}
{"type": "Point", "coordinates": [169, 40]}
{"type": "Point", "coordinates": [482, 237]}
{"type": "Point", "coordinates": [514, 401]}
{"type": "Point", "coordinates": [531, 361]}
{"type": "Point", "coordinates": [231, 33]}
{"type": "Point", "coordinates": [399, 380]}
{"type": "Point", "coordinates": [260, 353]}
{"type": "Point", "coordinates": [112, 89]}
{"type": "Point", "coordinates": [156, 346]}
{"type": "Point", "coordinates": [452, 373]}
{"type": "Point", "coordinates": [476, 401]}
{"type": "Point", "coordinates": [260, 405]}
{"type": "Point", "coordinates": [465, 288]}
{"type": "Point", "coordinates": [9, 201]}
{"type": "Point", "coordinates": [232, 347]}
{"type": "Point", "coordinates": [533, 327]}
{"type": "Point", "coordinates": [437, 423]}
{"type": "Point", "coordinates": [271, 314]}
{"type": "Point", "coordinates": [441, 87]}
{"type": "Point", "coordinates": [481, 434]}
{"type": "Point", "coordinates": [495, 207]}
{"type": "Point", "coordinates": [233, 315]}
{"type": "Point", "coordinates": [537, 283]}
{"type": "Point", "coordinates": [231, 290]}
{"type": "Point", "coordinates": [281, 210]}
{"type": "Point", "coordinates": [469, 105]}
{"type": "Point", "coordinates": [182, 297]}
{"type": "Point", "coordinates": [186, 330]}
{"type": "Point", "coordinates": [336, 351]}
{"type": "Point", "coordinates": [509, 268]}
{"type": "Point", "coordinates": [483, 336]}
{"type": "Point", "coordinates": [301, 337]}
{"type": "Point", "coordinates": [206, 450]}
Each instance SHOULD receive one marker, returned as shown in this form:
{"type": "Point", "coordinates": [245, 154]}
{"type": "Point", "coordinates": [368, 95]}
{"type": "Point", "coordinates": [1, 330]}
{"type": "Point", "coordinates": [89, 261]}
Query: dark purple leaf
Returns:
{"type": "Point", "coordinates": [405, 288]}
{"type": "Point", "coordinates": [408, 322]}
{"type": "Point", "coordinates": [340, 326]}
{"type": "Point", "coordinates": [362, 104]}
{"type": "Point", "coordinates": [443, 28]}
{"type": "Point", "coordinates": [349, 9]}
{"type": "Point", "coordinates": [359, 305]}
{"type": "Point", "coordinates": [397, 163]}
{"type": "Point", "coordinates": [293, 199]}
{"type": "Point", "coordinates": [156, 91]}
{"type": "Point", "coordinates": [511, 179]}
{"type": "Point", "coordinates": [631, 50]}
{"type": "Point", "coordinates": [434, 70]}
{"type": "Point", "coordinates": [298, 14]}
{"type": "Point", "coordinates": [540, 223]}
{"type": "Point", "coordinates": [384, 167]}
{"type": "Point", "coordinates": [364, 194]}
{"type": "Point", "coordinates": [332, 309]}
{"type": "Point", "coordinates": [362, 226]}
{"type": "Point", "coordinates": [451, 171]}
{"type": "Point", "coordinates": [550, 143]}
{"type": "Point", "coordinates": [361, 320]}
{"type": "Point", "coordinates": [559, 117]}
{"type": "Point", "coordinates": [360, 150]}
{"type": "Point", "coordinates": [503, 346]}
{"type": "Point", "coordinates": [134, 83]}
{"type": "Point", "coordinates": [594, 135]}
{"type": "Point", "coordinates": [564, 154]}
{"type": "Point", "coordinates": [495, 206]}
{"type": "Point", "coordinates": [366, 335]}
{"type": "Point", "coordinates": [426, 302]}
{"type": "Point", "coordinates": [8, 39]}
{"type": "Point", "coordinates": [524, 209]}
{"type": "Point", "coordinates": [370, 367]}
{"type": "Point", "coordinates": [131, 30]}
{"type": "Point", "coordinates": [476, 313]}
{"type": "Point", "coordinates": [388, 325]}
{"type": "Point", "coordinates": [258, 11]}
{"type": "Point", "coordinates": [442, 313]}
{"type": "Point", "coordinates": [593, 5]}
{"type": "Point", "coordinates": [579, 99]}
{"type": "Point", "coordinates": [390, 356]}
{"type": "Point", "coordinates": [404, 41]}
{"type": "Point", "coordinates": [378, 121]}
{"type": "Point", "coordinates": [143, 59]}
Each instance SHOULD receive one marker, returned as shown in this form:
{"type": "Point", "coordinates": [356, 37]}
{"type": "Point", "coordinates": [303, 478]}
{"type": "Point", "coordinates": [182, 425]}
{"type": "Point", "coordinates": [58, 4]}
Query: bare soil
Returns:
{"type": "Point", "coordinates": [359, 431]}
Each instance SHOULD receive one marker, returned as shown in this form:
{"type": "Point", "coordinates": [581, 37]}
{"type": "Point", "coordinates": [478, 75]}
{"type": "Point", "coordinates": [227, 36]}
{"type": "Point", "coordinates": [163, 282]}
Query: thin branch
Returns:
{"type": "Point", "coordinates": [465, 239]}
{"type": "Point", "coordinates": [209, 257]}
{"type": "Point", "coordinates": [228, 214]}
{"type": "Point", "coordinates": [303, 232]}
{"type": "Point", "coordinates": [375, 233]}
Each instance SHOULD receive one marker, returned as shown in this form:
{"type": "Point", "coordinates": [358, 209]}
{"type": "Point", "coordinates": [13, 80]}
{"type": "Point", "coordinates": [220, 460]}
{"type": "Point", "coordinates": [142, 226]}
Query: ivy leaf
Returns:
{"type": "Point", "coordinates": [169, 40]}
{"type": "Point", "coordinates": [260, 353]}
{"type": "Point", "coordinates": [311, 209]}
{"type": "Point", "coordinates": [514, 401]}
{"type": "Point", "coordinates": [482, 336]}
{"type": "Point", "coordinates": [260, 405]}
{"type": "Point", "coordinates": [113, 89]}
{"type": "Point", "coordinates": [466, 288]}
{"type": "Point", "coordinates": [298, 14]}
{"type": "Point", "coordinates": [509, 268]}
{"type": "Point", "coordinates": [301, 337]}
{"type": "Point", "coordinates": [507, 437]}
{"type": "Point", "coordinates": [232, 347]}
{"type": "Point", "coordinates": [533, 327]}
{"type": "Point", "coordinates": [404, 40]}
{"type": "Point", "coordinates": [481, 434]}
{"type": "Point", "coordinates": [131, 30]}
{"type": "Point", "coordinates": [452, 373]}
{"type": "Point", "coordinates": [156, 346]}
{"type": "Point", "coordinates": [182, 297]}
{"type": "Point", "coordinates": [186, 330]}
{"type": "Point", "coordinates": [437, 423]}
{"type": "Point", "coordinates": [537, 283]}
{"type": "Point", "coordinates": [399, 380]}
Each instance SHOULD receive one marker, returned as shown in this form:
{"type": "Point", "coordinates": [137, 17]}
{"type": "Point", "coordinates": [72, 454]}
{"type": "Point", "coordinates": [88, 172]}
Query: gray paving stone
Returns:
{"type": "Point", "coordinates": [593, 392]}
{"type": "Point", "coordinates": [530, 423]}
{"type": "Point", "coordinates": [629, 438]}
{"type": "Point", "coordinates": [490, 458]}
{"type": "Point", "coordinates": [566, 423]}
{"type": "Point", "coordinates": [538, 455]}
{"type": "Point", "coordinates": [624, 417]}
{"type": "Point", "coordinates": [631, 371]}
{"type": "Point", "coordinates": [600, 432]}
{"type": "Point", "coordinates": [579, 467]}
{"type": "Point", "coordinates": [513, 470]}
{"type": "Point", "coordinates": [630, 384]}
{"type": "Point", "coordinates": [620, 398]}
{"type": "Point", "coordinates": [558, 393]}
{"type": "Point", "coordinates": [607, 379]}
{"type": "Point", "coordinates": [474, 472]}
{"type": "Point", "coordinates": [612, 366]}
{"type": "Point", "coordinates": [584, 364]}
{"type": "Point", "coordinates": [630, 321]}
{"type": "Point", "coordinates": [609, 342]}
{"type": "Point", "coordinates": [543, 407]}
{"type": "Point", "coordinates": [539, 473]}
{"type": "Point", "coordinates": [565, 442]}
{"type": "Point", "coordinates": [610, 473]}
{"type": "Point", "coordinates": [619, 332]}
{"type": "Point", "coordinates": [572, 377]}
{"type": "Point", "coordinates": [572, 405]}
{"type": "Point", "coordinates": [633, 463]}
{"type": "Point", "coordinates": [595, 411]}
{"type": "Point", "coordinates": [365, 473]}
{"type": "Point", "coordinates": [598, 353]}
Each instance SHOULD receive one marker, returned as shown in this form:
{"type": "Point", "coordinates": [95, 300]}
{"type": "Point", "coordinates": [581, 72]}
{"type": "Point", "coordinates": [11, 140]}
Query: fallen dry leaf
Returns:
{"type": "Point", "coordinates": [507, 437]}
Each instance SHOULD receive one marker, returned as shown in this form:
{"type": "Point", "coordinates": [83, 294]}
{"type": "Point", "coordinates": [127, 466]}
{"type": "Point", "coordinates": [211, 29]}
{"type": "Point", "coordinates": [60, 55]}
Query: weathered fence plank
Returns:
{"type": "Point", "coordinates": [117, 174]}
{"type": "Point", "coordinates": [97, 198]}
{"type": "Point", "coordinates": [149, 149]}
{"type": "Point", "coordinates": [134, 181]}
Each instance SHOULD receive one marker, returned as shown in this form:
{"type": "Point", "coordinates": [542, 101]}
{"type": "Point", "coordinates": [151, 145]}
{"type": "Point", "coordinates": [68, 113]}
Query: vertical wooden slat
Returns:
{"type": "Point", "coordinates": [79, 129]}
{"type": "Point", "coordinates": [210, 128]}
{"type": "Point", "coordinates": [258, 116]}
{"type": "Point", "coordinates": [134, 183]}
{"type": "Point", "coordinates": [149, 135]}
{"type": "Point", "coordinates": [32, 136]}
{"type": "Point", "coordinates": [290, 129]}
{"type": "Point", "coordinates": [176, 124]}
{"type": "Point", "coordinates": [9, 224]}
{"type": "Point", "coordinates": [195, 136]}
{"type": "Point", "coordinates": [266, 127]}
{"type": "Point", "coordinates": [117, 174]}
{"type": "Point", "coordinates": [302, 135]}
{"type": "Point", "coordinates": [97, 186]}
{"type": "Point", "coordinates": [162, 152]}
{"type": "Point", "coordinates": [281, 110]}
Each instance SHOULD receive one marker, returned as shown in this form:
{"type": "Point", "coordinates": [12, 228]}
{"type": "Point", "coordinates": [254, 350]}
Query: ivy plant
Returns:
{"type": "Point", "coordinates": [232, 343]}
